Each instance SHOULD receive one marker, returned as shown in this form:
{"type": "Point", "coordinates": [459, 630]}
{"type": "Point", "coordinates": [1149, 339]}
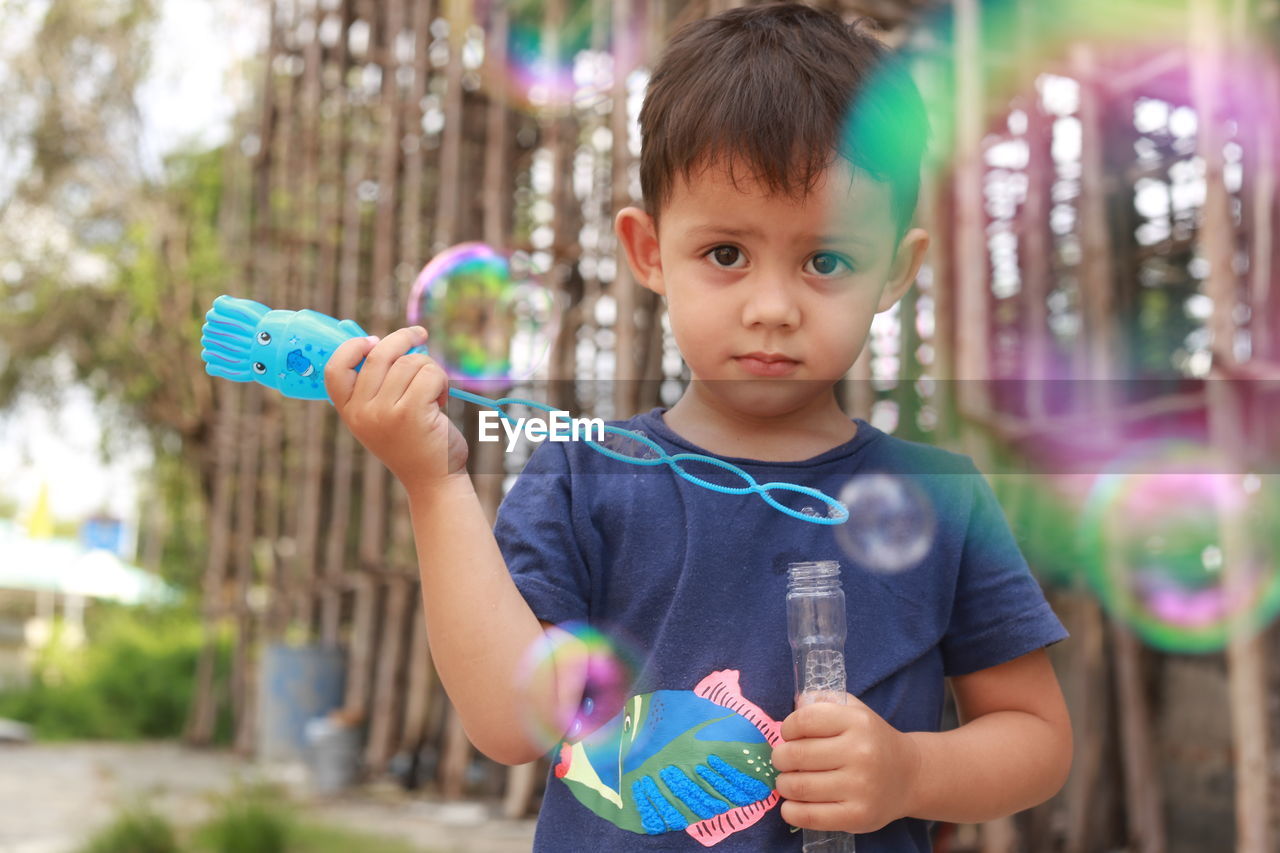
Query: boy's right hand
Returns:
{"type": "Point", "coordinates": [395, 405]}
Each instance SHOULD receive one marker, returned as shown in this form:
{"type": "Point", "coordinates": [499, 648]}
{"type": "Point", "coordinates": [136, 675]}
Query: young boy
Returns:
{"type": "Point", "coordinates": [773, 245]}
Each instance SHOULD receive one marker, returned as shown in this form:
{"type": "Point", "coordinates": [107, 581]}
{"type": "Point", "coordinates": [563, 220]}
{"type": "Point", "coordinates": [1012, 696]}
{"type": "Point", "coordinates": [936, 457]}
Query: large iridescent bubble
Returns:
{"type": "Point", "coordinates": [1181, 550]}
{"type": "Point", "coordinates": [487, 317]}
{"type": "Point", "coordinates": [576, 679]}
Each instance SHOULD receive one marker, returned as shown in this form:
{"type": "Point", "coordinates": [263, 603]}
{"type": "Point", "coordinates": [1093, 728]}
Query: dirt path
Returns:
{"type": "Point", "coordinates": [53, 796]}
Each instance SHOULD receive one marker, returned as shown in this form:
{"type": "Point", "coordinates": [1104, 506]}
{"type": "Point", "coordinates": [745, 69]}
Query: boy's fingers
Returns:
{"type": "Point", "coordinates": [828, 816]}
{"type": "Point", "coordinates": [814, 786]}
{"type": "Point", "coordinates": [403, 371]}
{"type": "Point", "coordinates": [819, 719]}
{"type": "Point", "coordinates": [380, 359]}
{"type": "Point", "coordinates": [428, 384]}
{"type": "Point", "coordinates": [807, 755]}
{"type": "Point", "coordinates": [340, 371]}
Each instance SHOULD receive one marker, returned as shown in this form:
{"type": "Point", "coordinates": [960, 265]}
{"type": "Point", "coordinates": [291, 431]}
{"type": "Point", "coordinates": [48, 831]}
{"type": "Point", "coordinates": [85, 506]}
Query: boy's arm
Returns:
{"type": "Point", "coordinates": [843, 767]}
{"type": "Point", "coordinates": [479, 626]}
{"type": "Point", "coordinates": [1012, 750]}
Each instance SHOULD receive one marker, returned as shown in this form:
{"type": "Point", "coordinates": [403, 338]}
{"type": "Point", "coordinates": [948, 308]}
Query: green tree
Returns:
{"type": "Point", "coordinates": [107, 271]}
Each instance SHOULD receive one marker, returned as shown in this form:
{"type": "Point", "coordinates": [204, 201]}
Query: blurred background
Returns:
{"type": "Point", "coordinates": [198, 563]}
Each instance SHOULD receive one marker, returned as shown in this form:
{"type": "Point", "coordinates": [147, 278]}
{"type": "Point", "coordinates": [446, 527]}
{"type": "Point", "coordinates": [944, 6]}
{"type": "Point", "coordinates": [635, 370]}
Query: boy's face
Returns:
{"type": "Point", "coordinates": [762, 288]}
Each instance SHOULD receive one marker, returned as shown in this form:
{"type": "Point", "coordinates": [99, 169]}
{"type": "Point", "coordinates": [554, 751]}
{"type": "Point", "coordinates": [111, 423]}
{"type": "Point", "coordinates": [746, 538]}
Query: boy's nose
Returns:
{"type": "Point", "coordinates": [771, 302]}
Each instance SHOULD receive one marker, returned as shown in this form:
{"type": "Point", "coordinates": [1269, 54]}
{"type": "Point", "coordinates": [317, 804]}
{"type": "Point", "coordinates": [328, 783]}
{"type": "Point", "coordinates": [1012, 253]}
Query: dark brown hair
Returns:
{"type": "Point", "coordinates": [780, 89]}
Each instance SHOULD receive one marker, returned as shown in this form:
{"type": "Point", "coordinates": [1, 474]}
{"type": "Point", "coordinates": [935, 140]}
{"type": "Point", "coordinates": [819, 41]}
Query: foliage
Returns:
{"type": "Point", "coordinates": [259, 819]}
{"type": "Point", "coordinates": [255, 819]}
{"type": "Point", "coordinates": [132, 680]}
{"type": "Point", "coordinates": [252, 820]}
{"type": "Point", "coordinates": [137, 829]}
{"type": "Point", "coordinates": [107, 264]}
{"type": "Point", "coordinates": [323, 838]}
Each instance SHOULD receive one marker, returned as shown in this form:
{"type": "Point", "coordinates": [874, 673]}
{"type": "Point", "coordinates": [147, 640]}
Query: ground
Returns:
{"type": "Point", "coordinates": [55, 795]}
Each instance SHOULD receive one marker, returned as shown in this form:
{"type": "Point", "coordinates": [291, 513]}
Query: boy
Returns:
{"type": "Point", "coordinates": [773, 245]}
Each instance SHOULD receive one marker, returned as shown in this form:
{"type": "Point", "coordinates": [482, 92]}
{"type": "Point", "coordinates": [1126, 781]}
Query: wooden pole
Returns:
{"type": "Point", "coordinates": [354, 160]}
{"type": "Point", "coordinates": [972, 296]}
{"type": "Point", "coordinates": [1246, 655]}
{"type": "Point", "coordinates": [321, 185]}
{"type": "Point", "coordinates": [457, 749]}
{"type": "Point", "coordinates": [420, 678]}
{"type": "Point", "coordinates": [626, 398]}
{"type": "Point", "coordinates": [1142, 788]}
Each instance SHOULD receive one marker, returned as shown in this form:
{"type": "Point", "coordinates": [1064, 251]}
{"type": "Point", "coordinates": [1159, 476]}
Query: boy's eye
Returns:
{"type": "Point", "coordinates": [725, 256]}
{"type": "Point", "coordinates": [829, 263]}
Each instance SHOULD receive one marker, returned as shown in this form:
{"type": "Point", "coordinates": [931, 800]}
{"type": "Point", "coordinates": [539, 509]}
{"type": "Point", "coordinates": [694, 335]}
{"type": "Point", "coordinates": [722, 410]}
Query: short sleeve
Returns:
{"type": "Point", "coordinates": [535, 531]}
{"type": "Point", "coordinates": [999, 611]}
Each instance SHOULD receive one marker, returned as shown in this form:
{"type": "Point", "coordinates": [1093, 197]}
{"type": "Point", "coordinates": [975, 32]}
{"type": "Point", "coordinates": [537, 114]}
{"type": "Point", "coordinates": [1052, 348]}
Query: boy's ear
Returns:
{"type": "Point", "coordinates": [638, 234]}
{"type": "Point", "coordinates": [906, 264]}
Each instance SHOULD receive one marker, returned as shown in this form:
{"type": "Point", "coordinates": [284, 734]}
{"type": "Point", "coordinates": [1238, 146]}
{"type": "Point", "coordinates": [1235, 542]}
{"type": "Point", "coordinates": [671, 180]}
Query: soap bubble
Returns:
{"type": "Point", "coordinates": [632, 446]}
{"type": "Point", "coordinates": [891, 522]}
{"type": "Point", "coordinates": [570, 661]}
{"type": "Point", "coordinates": [1183, 553]}
{"type": "Point", "coordinates": [487, 316]}
{"type": "Point", "coordinates": [549, 63]}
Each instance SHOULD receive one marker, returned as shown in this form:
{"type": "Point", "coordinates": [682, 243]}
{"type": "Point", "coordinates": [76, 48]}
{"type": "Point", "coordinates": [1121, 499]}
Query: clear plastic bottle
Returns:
{"type": "Point", "coordinates": [816, 629]}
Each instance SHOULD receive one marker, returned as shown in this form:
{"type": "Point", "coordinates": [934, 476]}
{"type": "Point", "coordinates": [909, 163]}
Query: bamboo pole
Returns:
{"type": "Point", "coordinates": [1085, 680]}
{"type": "Point", "coordinates": [1142, 788]}
{"type": "Point", "coordinates": [352, 150]}
{"type": "Point", "coordinates": [282, 419]}
{"type": "Point", "coordinates": [972, 296]}
{"type": "Point", "coordinates": [245, 530]}
{"type": "Point", "coordinates": [457, 749]}
{"type": "Point", "coordinates": [623, 288]}
{"type": "Point", "coordinates": [388, 636]}
{"type": "Point", "coordinates": [420, 687]}
{"type": "Point", "coordinates": [1263, 243]}
{"type": "Point", "coordinates": [320, 180]}
{"type": "Point", "coordinates": [420, 677]}
{"type": "Point", "coordinates": [202, 721]}
{"type": "Point", "coordinates": [387, 707]}
{"type": "Point", "coordinates": [1246, 655]}
{"type": "Point", "coordinates": [1035, 239]}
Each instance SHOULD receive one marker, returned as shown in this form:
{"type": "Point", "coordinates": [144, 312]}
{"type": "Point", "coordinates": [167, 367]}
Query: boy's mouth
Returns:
{"type": "Point", "coordinates": [766, 363]}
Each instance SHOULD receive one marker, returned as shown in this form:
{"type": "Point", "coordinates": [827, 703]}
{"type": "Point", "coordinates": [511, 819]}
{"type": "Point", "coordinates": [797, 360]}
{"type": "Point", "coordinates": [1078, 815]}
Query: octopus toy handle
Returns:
{"type": "Point", "coordinates": [245, 341]}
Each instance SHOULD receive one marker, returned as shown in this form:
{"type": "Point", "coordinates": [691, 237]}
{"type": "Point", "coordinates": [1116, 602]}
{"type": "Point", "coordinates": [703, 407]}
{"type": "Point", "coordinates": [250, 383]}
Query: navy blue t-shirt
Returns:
{"type": "Point", "coordinates": [694, 584]}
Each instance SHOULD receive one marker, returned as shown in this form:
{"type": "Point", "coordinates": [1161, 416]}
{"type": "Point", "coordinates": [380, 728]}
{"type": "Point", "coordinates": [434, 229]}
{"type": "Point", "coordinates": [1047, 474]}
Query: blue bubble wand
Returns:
{"type": "Point", "coordinates": [245, 341]}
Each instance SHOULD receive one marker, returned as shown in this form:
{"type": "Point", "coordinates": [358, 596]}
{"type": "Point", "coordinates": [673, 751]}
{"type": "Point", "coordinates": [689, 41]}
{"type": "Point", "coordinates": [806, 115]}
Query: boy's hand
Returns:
{"type": "Point", "coordinates": [395, 405]}
{"type": "Point", "coordinates": [843, 768]}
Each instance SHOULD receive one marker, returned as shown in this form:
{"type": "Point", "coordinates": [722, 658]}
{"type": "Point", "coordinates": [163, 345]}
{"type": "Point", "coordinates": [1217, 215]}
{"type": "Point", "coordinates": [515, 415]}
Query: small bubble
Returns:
{"type": "Point", "coordinates": [809, 511]}
{"type": "Point", "coordinates": [574, 651]}
{"type": "Point", "coordinates": [626, 445]}
{"type": "Point", "coordinates": [891, 522]}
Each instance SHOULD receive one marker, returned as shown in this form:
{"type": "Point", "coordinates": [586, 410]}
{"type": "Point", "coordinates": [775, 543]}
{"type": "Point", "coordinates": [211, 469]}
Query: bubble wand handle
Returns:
{"type": "Point", "coordinates": [245, 341]}
{"type": "Point", "coordinates": [816, 630]}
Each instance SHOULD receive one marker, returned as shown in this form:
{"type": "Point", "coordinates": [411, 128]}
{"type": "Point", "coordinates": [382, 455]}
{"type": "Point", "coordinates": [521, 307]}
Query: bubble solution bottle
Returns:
{"type": "Point", "coordinates": [816, 629]}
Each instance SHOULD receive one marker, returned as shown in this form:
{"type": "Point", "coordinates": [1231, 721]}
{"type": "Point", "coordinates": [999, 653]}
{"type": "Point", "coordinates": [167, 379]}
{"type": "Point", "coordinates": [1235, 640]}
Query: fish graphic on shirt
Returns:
{"type": "Point", "coordinates": [246, 341]}
{"type": "Point", "coordinates": [696, 761]}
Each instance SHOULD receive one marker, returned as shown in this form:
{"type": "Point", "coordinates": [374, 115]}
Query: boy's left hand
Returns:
{"type": "Point", "coordinates": [843, 768]}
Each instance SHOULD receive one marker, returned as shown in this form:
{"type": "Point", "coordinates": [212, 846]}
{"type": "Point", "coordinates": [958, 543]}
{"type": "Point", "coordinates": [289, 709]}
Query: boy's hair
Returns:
{"type": "Point", "coordinates": [780, 89]}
